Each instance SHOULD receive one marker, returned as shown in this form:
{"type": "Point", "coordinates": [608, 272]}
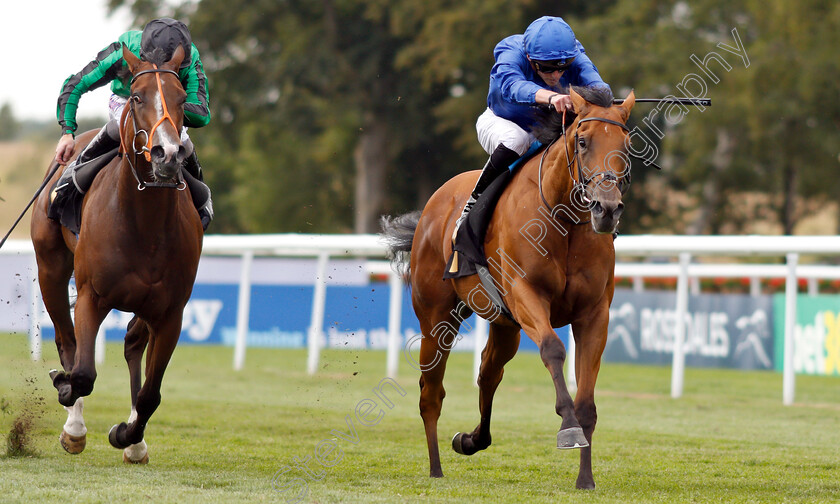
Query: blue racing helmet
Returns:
{"type": "Point", "coordinates": [550, 39]}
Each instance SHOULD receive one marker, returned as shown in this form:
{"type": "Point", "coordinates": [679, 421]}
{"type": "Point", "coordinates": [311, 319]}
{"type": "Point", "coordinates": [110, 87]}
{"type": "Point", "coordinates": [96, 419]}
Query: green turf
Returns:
{"type": "Point", "coordinates": [221, 436]}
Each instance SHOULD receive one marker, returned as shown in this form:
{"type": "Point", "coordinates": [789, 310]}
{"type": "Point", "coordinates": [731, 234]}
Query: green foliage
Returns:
{"type": "Point", "coordinates": [319, 104]}
{"type": "Point", "coordinates": [772, 129]}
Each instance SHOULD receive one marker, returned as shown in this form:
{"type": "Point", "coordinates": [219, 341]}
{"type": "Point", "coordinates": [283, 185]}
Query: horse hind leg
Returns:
{"type": "Point", "coordinates": [439, 327]}
{"type": "Point", "coordinates": [55, 267]}
{"type": "Point", "coordinates": [136, 340]}
{"type": "Point", "coordinates": [78, 382]}
{"type": "Point", "coordinates": [502, 344]}
{"type": "Point", "coordinates": [53, 282]}
{"type": "Point", "coordinates": [161, 344]}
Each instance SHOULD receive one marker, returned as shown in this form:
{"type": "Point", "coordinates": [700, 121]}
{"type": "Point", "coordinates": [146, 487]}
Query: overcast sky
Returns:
{"type": "Point", "coordinates": [42, 42]}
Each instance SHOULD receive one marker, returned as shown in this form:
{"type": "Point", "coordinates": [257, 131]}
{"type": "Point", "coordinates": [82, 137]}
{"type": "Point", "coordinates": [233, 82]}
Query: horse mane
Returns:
{"type": "Point", "coordinates": [549, 125]}
{"type": "Point", "coordinates": [157, 56]}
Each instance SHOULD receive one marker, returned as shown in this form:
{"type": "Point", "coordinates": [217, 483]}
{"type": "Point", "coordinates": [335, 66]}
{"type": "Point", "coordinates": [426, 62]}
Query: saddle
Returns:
{"type": "Point", "coordinates": [68, 192]}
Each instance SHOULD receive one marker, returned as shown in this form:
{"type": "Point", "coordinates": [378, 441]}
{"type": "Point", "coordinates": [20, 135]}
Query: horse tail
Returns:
{"type": "Point", "coordinates": [398, 234]}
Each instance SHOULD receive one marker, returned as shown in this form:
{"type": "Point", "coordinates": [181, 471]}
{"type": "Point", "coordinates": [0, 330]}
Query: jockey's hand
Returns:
{"type": "Point", "coordinates": [64, 149]}
{"type": "Point", "coordinates": [562, 102]}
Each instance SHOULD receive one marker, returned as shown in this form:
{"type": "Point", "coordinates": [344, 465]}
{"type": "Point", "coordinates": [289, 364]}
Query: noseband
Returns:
{"type": "Point", "coordinates": [582, 181]}
{"type": "Point", "coordinates": [147, 147]}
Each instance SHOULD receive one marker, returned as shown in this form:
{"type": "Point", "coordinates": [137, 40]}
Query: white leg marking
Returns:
{"type": "Point", "coordinates": [75, 424]}
{"type": "Point", "coordinates": [137, 451]}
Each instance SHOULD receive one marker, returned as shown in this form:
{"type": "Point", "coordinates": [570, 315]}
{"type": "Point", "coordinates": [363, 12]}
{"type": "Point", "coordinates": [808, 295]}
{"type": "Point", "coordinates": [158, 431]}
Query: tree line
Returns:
{"type": "Point", "coordinates": [327, 114]}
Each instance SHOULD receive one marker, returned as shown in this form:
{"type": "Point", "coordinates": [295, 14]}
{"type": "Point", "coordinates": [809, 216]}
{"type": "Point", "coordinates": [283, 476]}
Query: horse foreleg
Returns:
{"type": "Point", "coordinates": [162, 341]}
{"type": "Point", "coordinates": [136, 339]}
{"type": "Point", "coordinates": [590, 339]}
{"type": "Point", "coordinates": [534, 318]}
{"type": "Point", "coordinates": [502, 344]}
{"type": "Point", "coordinates": [553, 355]}
{"type": "Point", "coordinates": [73, 436]}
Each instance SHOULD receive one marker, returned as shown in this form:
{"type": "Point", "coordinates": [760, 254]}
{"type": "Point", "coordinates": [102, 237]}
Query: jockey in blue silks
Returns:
{"type": "Point", "coordinates": [533, 68]}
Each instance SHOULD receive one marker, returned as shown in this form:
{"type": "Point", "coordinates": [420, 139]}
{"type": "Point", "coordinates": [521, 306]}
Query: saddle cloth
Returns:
{"type": "Point", "coordinates": [468, 249]}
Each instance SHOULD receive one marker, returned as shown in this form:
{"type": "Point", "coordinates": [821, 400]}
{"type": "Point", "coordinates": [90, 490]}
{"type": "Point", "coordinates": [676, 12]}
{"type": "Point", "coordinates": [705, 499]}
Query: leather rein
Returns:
{"type": "Point", "coordinates": [147, 146]}
{"type": "Point", "coordinates": [581, 182]}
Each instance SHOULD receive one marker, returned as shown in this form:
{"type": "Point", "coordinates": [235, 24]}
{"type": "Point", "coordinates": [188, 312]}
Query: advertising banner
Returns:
{"type": "Point", "coordinates": [816, 340]}
{"type": "Point", "coordinates": [355, 317]}
{"type": "Point", "coordinates": [722, 330]}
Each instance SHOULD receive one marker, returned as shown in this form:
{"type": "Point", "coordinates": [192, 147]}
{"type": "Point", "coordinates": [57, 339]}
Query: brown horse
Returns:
{"type": "Point", "coordinates": [551, 266]}
{"type": "Point", "coordinates": [137, 251]}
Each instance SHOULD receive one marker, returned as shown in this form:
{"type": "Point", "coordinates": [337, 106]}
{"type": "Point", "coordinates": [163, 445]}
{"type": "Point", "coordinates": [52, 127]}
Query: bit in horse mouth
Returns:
{"type": "Point", "coordinates": [165, 172]}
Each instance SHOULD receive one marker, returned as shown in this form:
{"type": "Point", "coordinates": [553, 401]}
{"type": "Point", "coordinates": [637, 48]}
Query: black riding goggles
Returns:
{"type": "Point", "coordinates": [552, 66]}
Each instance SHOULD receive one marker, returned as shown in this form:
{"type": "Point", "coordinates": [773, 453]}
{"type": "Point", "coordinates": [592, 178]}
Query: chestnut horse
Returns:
{"type": "Point", "coordinates": [137, 251]}
{"type": "Point", "coordinates": [549, 248]}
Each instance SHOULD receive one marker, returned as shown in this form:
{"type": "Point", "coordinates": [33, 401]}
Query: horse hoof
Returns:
{"type": "Point", "coordinates": [112, 437]}
{"type": "Point", "coordinates": [142, 461]}
{"type": "Point", "coordinates": [65, 395]}
{"type": "Point", "coordinates": [456, 443]}
{"type": "Point", "coordinates": [587, 484]}
{"type": "Point", "coordinates": [72, 444]}
{"type": "Point", "coordinates": [571, 438]}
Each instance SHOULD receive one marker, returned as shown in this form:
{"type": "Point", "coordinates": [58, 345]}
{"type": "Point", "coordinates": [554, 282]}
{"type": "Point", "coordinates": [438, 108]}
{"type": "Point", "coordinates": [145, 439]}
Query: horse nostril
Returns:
{"type": "Point", "coordinates": [596, 208]}
{"type": "Point", "coordinates": [158, 153]}
{"type": "Point", "coordinates": [619, 209]}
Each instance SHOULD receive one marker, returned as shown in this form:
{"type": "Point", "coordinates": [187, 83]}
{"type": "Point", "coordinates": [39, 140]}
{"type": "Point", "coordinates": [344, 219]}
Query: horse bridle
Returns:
{"type": "Point", "coordinates": [147, 146]}
{"type": "Point", "coordinates": [582, 181]}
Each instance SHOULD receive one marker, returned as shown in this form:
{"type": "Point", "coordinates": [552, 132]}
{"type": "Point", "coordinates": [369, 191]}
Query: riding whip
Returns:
{"type": "Point", "coordinates": [43, 184]}
{"type": "Point", "coordinates": [699, 102]}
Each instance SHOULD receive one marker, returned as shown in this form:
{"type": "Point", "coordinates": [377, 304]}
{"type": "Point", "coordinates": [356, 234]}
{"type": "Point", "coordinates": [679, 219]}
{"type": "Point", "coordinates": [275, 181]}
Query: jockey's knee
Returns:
{"type": "Point", "coordinates": [112, 128]}
{"type": "Point", "coordinates": [186, 142]}
{"type": "Point", "coordinates": [516, 142]}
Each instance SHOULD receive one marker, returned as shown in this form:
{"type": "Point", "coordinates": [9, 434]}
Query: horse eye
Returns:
{"type": "Point", "coordinates": [136, 98]}
{"type": "Point", "coordinates": [581, 142]}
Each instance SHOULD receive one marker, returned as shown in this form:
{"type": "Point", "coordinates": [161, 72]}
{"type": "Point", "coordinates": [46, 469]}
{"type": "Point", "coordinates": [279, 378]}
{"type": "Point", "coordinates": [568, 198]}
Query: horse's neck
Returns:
{"type": "Point", "coordinates": [556, 180]}
{"type": "Point", "coordinates": [148, 209]}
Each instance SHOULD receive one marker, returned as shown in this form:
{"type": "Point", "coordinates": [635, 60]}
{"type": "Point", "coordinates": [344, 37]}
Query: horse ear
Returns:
{"type": "Point", "coordinates": [129, 57]}
{"type": "Point", "coordinates": [581, 105]}
{"type": "Point", "coordinates": [177, 58]}
{"type": "Point", "coordinates": [627, 105]}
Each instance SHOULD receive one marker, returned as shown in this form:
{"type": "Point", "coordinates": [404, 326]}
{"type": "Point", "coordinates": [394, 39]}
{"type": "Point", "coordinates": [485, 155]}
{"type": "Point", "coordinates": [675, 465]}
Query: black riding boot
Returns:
{"type": "Point", "coordinates": [107, 141]}
{"type": "Point", "coordinates": [194, 177]}
{"type": "Point", "coordinates": [498, 163]}
{"type": "Point", "coordinates": [104, 142]}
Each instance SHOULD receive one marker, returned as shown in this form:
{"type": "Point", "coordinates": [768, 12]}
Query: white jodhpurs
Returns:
{"type": "Point", "coordinates": [494, 130]}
